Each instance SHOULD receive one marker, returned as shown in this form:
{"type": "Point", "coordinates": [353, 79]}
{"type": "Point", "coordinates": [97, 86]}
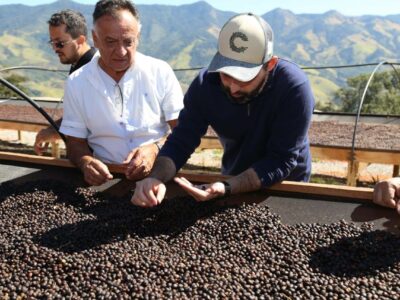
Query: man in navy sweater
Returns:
{"type": "Point", "coordinates": [259, 105]}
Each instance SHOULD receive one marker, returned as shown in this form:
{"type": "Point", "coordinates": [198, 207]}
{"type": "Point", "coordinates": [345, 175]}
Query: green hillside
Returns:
{"type": "Point", "coordinates": [186, 37]}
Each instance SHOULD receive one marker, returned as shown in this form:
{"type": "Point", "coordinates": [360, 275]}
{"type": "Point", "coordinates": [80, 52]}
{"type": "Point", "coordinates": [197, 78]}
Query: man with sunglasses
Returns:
{"type": "Point", "coordinates": [259, 105]}
{"type": "Point", "coordinates": [68, 38]}
{"type": "Point", "coordinates": [122, 103]}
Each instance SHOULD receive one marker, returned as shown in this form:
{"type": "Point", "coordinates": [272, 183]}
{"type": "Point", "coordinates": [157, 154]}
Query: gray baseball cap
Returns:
{"type": "Point", "coordinates": [245, 44]}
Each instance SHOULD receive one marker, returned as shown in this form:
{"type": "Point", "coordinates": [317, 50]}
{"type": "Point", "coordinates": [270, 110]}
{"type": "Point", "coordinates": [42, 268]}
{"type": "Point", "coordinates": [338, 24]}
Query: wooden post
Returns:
{"type": "Point", "coordinates": [55, 149]}
{"type": "Point", "coordinates": [352, 172]}
{"type": "Point", "coordinates": [396, 170]}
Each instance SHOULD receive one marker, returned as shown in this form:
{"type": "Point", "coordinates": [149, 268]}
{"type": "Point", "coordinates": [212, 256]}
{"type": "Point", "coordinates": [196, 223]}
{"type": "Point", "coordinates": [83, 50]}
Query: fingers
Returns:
{"type": "Point", "coordinates": [137, 173]}
{"type": "Point", "coordinates": [96, 173]}
{"type": "Point", "coordinates": [198, 192]}
{"type": "Point", "coordinates": [140, 161]}
{"type": "Point", "coordinates": [129, 157]}
{"type": "Point", "coordinates": [385, 194]}
{"type": "Point", "coordinates": [43, 138]}
{"type": "Point", "coordinates": [40, 147]}
{"type": "Point", "coordinates": [398, 207]}
{"type": "Point", "coordinates": [40, 144]}
{"type": "Point", "coordinates": [148, 193]}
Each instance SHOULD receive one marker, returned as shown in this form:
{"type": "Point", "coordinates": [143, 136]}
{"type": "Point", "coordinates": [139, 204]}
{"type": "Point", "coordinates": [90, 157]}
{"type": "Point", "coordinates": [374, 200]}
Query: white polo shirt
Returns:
{"type": "Point", "coordinates": [116, 119]}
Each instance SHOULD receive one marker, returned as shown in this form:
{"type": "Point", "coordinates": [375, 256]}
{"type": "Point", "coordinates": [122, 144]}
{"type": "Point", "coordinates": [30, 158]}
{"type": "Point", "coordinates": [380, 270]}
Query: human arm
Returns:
{"type": "Point", "coordinates": [177, 149]}
{"type": "Point", "coordinates": [151, 191]}
{"type": "Point", "coordinates": [245, 182]}
{"type": "Point", "coordinates": [387, 193]}
{"type": "Point", "coordinates": [285, 154]}
{"type": "Point", "coordinates": [95, 172]}
{"type": "Point", "coordinates": [141, 159]}
{"type": "Point", "coordinates": [44, 137]}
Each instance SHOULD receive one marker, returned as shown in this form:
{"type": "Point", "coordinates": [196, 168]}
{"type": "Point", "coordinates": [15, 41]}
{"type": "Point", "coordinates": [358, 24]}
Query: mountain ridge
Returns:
{"type": "Point", "coordinates": [186, 37]}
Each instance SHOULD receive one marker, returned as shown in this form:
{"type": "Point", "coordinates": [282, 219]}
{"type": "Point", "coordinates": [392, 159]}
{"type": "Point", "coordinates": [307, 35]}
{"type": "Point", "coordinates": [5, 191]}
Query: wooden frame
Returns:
{"type": "Point", "coordinates": [391, 157]}
{"type": "Point", "coordinates": [318, 151]}
{"type": "Point", "coordinates": [31, 127]}
{"type": "Point", "coordinates": [342, 192]}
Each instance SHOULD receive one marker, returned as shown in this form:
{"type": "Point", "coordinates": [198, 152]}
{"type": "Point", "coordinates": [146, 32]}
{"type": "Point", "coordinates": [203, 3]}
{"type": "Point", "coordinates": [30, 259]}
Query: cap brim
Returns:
{"type": "Point", "coordinates": [241, 71]}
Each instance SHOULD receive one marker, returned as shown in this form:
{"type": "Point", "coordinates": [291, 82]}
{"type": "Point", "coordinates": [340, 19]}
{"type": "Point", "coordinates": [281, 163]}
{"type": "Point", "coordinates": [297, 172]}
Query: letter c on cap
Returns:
{"type": "Point", "coordinates": [238, 35]}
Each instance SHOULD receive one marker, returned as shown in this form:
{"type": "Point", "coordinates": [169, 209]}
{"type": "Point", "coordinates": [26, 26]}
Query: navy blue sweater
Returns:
{"type": "Point", "coordinates": [269, 134]}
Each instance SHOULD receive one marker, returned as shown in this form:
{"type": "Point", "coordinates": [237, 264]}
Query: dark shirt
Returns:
{"type": "Point", "coordinates": [83, 60]}
{"type": "Point", "coordinates": [269, 134]}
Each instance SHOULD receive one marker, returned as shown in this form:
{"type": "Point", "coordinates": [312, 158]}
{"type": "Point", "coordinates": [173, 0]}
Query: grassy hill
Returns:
{"type": "Point", "coordinates": [186, 36]}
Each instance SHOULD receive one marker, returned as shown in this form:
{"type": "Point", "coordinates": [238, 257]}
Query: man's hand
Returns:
{"type": "Point", "coordinates": [43, 138]}
{"type": "Point", "coordinates": [387, 193]}
{"type": "Point", "coordinates": [95, 172]}
{"type": "Point", "coordinates": [140, 161]}
{"type": "Point", "coordinates": [149, 192]}
{"type": "Point", "coordinates": [203, 192]}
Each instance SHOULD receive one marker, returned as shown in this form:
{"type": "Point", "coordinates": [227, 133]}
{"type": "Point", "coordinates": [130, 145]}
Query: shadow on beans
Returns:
{"type": "Point", "coordinates": [116, 219]}
{"type": "Point", "coordinates": [365, 255]}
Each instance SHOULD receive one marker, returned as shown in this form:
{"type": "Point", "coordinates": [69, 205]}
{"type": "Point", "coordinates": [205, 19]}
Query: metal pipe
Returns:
{"type": "Point", "coordinates": [33, 103]}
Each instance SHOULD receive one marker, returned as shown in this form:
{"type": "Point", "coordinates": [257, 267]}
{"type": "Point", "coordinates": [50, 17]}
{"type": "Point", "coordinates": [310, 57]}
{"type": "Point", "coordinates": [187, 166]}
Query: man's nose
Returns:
{"type": "Point", "coordinates": [234, 87]}
{"type": "Point", "coordinates": [121, 50]}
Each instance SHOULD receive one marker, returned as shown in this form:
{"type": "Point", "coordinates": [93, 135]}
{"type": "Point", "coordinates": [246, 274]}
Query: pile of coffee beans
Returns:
{"type": "Point", "coordinates": [63, 242]}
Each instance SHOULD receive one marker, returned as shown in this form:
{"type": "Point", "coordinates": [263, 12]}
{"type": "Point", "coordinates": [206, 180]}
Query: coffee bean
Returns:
{"type": "Point", "coordinates": [64, 242]}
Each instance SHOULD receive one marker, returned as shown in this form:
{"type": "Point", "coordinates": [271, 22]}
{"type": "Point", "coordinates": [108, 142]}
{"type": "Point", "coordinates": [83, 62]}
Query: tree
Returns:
{"type": "Point", "coordinates": [16, 80]}
{"type": "Point", "coordinates": [382, 97]}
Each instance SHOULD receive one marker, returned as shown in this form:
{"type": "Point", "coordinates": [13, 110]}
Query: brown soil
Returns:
{"type": "Point", "coordinates": [340, 134]}
{"type": "Point", "coordinates": [26, 113]}
{"type": "Point", "coordinates": [368, 136]}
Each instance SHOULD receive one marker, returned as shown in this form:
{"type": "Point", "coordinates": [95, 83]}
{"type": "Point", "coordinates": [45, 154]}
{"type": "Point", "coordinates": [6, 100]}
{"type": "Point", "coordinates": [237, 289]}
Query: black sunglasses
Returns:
{"type": "Point", "coordinates": [58, 44]}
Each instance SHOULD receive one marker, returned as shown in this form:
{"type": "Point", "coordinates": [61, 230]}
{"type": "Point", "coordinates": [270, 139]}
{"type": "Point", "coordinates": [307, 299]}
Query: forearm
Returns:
{"type": "Point", "coordinates": [246, 181]}
{"type": "Point", "coordinates": [78, 153]}
{"type": "Point", "coordinates": [164, 169]}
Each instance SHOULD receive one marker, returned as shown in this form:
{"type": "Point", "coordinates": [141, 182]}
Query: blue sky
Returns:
{"type": "Point", "coordinates": [346, 7]}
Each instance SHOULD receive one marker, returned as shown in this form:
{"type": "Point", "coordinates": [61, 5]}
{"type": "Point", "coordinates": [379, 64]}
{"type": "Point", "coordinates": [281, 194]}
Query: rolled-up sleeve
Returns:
{"type": "Point", "coordinates": [73, 123]}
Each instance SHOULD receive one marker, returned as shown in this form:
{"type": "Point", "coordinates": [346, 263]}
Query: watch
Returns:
{"type": "Point", "coordinates": [228, 188]}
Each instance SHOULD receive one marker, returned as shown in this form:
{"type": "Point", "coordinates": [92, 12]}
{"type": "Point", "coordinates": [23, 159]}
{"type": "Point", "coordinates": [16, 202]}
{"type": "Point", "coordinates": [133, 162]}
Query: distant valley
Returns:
{"type": "Point", "coordinates": [186, 36]}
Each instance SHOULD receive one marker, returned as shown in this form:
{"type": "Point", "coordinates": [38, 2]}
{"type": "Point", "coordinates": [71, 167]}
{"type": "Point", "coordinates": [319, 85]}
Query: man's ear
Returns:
{"type": "Point", "coordinates": [81, 40]}
{"type": "Point", "coordinates": [272, 63]}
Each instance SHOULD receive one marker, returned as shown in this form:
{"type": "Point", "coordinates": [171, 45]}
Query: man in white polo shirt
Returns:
{"type": "Point", "coordinates": [118, 106]}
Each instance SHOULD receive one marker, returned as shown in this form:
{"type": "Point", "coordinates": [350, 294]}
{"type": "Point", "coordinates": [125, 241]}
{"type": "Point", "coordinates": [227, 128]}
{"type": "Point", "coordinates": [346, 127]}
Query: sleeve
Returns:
{"type": "Point", "coordinates": [73, 123]}
{"type": "Point", "coordinates": [172, 102]}
{"type": "Point", "coordinates": [289, 136]}
{"type": "Point", "coordinates": [192, 125]}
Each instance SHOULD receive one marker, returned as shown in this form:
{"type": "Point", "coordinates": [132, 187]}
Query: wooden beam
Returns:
{"type": "Point", "coordinates": [353, 193]}
{"type": "Point", "coordinates": [391, 157]}
{"type": "Point", "coordinates": [23, 126]}
{"type": "Point", "coordinates": [210, 142]}
{"type": "Point", "coordinates": [330, 153]}
{"type": "Point", "coordinates": [322, 152]}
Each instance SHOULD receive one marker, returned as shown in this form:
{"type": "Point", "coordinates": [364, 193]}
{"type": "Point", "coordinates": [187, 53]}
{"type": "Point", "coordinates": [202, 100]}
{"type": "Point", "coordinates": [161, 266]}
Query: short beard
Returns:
{"type": "Point", "coordinates": [245, 97]}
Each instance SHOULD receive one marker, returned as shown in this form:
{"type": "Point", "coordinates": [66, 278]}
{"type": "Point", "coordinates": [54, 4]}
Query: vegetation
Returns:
{"type": "Point", "coordinates": [382, 97]}
{"type": "Point", "coordinates": [186, 37]}
{"type": "Point", "coordinates": [16, 80]}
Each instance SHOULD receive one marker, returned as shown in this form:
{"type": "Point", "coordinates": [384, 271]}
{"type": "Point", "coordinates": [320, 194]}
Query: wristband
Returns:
{"type": "Point", "coordinates": [228, 188]}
